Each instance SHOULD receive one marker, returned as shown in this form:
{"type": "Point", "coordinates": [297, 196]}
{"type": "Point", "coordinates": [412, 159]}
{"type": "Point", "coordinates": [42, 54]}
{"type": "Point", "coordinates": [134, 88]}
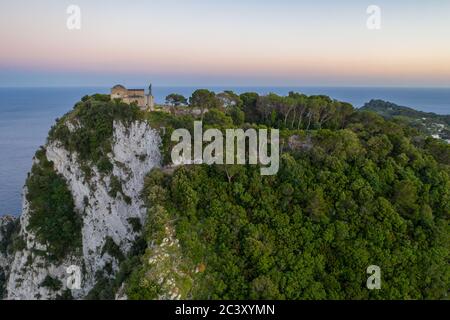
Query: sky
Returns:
{"type": "Point", "coordinates": [232, 42]}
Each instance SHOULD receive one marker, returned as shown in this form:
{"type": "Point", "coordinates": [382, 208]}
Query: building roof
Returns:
{"type": "Point", "coordinates": [119, 86]}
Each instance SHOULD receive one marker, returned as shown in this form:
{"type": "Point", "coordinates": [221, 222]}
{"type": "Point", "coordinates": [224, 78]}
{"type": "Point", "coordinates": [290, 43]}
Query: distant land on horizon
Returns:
{"type": "Point", "coordinates": [422, 98]}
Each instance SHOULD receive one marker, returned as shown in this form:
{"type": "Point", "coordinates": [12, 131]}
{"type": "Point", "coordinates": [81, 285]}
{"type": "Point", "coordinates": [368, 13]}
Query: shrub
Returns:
{"type": "Point", "coordinates": [113, 249]}
{"type": "Point", "coordinates": [51, 283]}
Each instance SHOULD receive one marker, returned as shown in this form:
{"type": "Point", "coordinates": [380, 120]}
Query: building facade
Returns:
{"type": "Point", "coordinates": [138, 96]}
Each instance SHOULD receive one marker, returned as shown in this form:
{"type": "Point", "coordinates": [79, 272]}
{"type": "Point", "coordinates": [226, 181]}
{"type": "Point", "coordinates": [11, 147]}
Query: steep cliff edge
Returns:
{"type": "Point", "coordinates": [105, 195]}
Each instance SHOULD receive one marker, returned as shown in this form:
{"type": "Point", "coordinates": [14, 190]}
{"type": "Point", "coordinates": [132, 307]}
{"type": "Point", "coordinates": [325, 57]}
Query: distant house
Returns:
{"type": "Point", "coordinates": [138, 96]}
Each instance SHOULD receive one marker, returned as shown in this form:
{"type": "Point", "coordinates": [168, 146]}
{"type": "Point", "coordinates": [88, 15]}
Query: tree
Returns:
{"type": "Point", "coordinates": [237, 115]}
{"type": "Point", "coordinates": [217, 118]}
{"type": "Point", "coordinates": [175, 100]}
{"type": "Point", "coordinates": [300, 108]}
{"type": "Point", "coordinates": [287, 107]}
{"type": "Point", "coordinates": [204, 100]}
{"type": "Point", "coordinates": [267, 107]}
{"type": "Point", "coordinates": [249, 100]}
{"type": "Point", "coordinates": [317, 206]}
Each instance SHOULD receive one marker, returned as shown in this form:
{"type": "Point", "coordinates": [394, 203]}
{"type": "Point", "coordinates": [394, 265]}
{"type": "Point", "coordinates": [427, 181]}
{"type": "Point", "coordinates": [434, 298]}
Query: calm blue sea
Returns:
{"type": "Point", "coordinates": [26, 115]}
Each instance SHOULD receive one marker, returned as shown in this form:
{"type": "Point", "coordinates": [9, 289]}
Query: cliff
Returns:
{"type": "Point", "coordinates": [107, 203]}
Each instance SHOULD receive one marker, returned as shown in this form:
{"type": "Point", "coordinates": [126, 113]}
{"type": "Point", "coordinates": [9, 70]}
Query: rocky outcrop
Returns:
{"type": "Point", "coordinates": [7, 226]}
{"type": "Point", "coordinates": [106, 215]}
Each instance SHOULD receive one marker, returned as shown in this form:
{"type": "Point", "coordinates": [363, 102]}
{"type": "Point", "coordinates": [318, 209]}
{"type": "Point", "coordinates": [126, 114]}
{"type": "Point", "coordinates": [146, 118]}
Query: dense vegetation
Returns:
{"type": "Point", "coordinates": [353, 190]}
{"type": "Point", "coordinates": [53, 218]}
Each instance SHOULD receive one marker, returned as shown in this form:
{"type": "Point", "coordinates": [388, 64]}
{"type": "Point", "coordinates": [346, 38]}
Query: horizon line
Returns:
{"type": "Point", "coordinates": [238, 86]}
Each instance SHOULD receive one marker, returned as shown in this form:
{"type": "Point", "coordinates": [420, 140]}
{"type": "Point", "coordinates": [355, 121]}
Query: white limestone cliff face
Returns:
{"type": "Point", "coordinates": [135, 151]}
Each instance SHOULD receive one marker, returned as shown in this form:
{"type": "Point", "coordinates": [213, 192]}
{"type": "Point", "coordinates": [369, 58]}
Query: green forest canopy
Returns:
{"type": "Point", "coordinates": [355, 190]}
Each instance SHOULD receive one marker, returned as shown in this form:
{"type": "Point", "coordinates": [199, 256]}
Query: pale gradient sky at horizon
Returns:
{"type": "Point", "coordinates": [246, 42]}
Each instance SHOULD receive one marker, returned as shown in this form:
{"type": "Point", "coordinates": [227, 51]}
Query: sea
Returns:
{"type": "Point", "coordinates": [26, 115]}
